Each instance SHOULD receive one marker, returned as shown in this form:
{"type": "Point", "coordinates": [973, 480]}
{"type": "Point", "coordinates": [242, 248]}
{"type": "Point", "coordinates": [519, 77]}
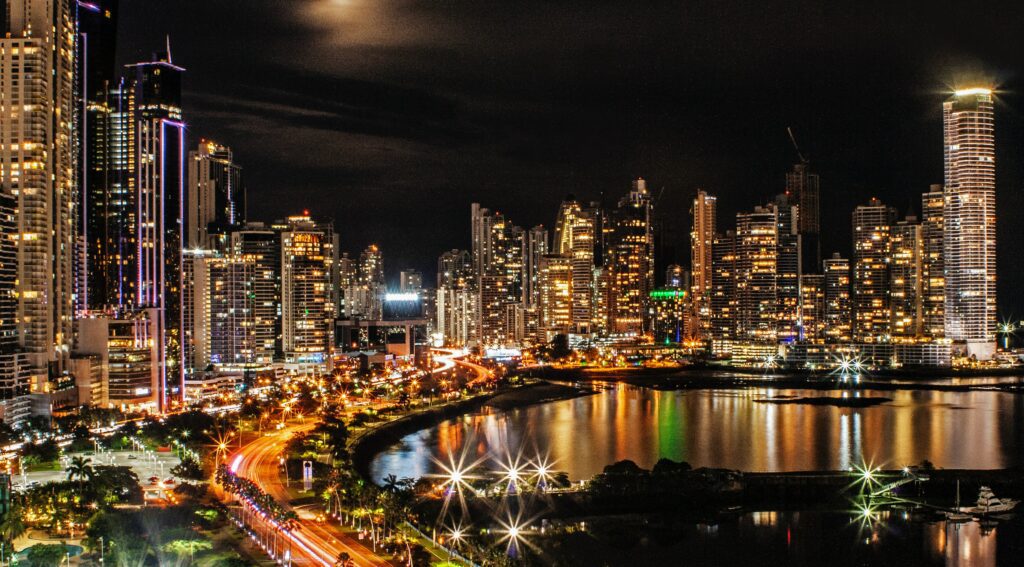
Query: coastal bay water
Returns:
{"type": "Point", "coordinates": [743, 429]}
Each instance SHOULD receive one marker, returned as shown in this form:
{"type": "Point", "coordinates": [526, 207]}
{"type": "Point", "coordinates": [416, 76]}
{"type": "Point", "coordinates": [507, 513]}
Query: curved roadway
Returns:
{"type": "Point", "coordinates": [315, 543]}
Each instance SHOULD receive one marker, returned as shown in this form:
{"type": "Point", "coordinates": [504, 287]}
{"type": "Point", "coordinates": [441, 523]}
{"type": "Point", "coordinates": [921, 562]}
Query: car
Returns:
{"type": "Point", "coordinates": [132, 457]}
{"type": "Point", "coordinates": [169, 481]}
{"type": "Point", "coordinates": [154, 479]}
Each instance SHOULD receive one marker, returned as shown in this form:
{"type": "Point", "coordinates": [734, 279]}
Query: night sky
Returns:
{"type": "Point", "coordinates": [391, 117]}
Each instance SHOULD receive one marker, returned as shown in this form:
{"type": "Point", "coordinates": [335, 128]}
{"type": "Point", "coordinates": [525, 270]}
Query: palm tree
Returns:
{"type": "Point", "coordinates": [344, 559]}
{"type": "Point", "coordinates": [391, 483]}
{"type": "Point", "coordinates": [13, 523]}
{"type": "Point", "coordinates": [80, 468]}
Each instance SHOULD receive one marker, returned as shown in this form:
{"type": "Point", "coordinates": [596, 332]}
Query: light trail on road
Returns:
{"type": "Point", "coordinates": [317, 543]}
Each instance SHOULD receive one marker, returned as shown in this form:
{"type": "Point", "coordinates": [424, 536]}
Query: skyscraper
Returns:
{"type": "Point", "coordinates": [309, 256]}
{"type": "Point", "coordinates": [838, 306]}
{"type": "Point", "coordinates": [262, 246]}
{"type": "Point", "coordinates": [932, 277]}
{"type": "Point", "coordinates": [101, 160]}
{"type": "Point", "coordinates": [905, 276]}
{"type": "Point", "coordinates": [701, 242]}
{"type": "Point", "coordinates": [969, 221]}
{"type": "Point", "coordinates": [723, 293]}
{"type": "Point", "coordinates": [574, 239]}
{"type": "Point", "coordinates": [216, 196]}
{"type": "Point", "coordinates": [630, 251]}
{"type": "Point", "coordinates": [535, 247]}
{"type": "Point", "coordinates": [872, 251]}
{"type": "Point", "coordinates": [757, 301]}
{"type": "Point", "coordinates": [37, 168]}
{"type": "Point", "coordinates": [802, 187]}
{"type": "Point", "coordinates": [159, 135]}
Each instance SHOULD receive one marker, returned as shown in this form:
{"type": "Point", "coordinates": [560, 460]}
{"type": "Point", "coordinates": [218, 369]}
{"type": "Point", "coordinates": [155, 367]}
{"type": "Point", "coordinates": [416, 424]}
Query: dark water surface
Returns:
{"type": "Point", "coordinates": [733, 429]}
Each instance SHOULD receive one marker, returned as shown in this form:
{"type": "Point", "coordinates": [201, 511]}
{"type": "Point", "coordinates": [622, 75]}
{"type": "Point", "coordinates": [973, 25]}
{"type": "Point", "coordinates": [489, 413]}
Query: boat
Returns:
{"type": "Point", "coordinates": [989, 504]}
{"type": "Point", "coordinates": [958, 516]}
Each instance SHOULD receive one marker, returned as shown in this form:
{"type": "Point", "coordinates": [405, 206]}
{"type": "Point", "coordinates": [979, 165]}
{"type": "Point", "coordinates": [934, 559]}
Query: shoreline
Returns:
{"type": "Point", "coordinates": [365, 445]}
{"type": "Point", "coordinates": [709, 377]}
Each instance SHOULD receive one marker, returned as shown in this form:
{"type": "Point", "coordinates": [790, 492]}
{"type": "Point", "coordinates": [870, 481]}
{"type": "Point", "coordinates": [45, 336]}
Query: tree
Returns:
{"type": "Point", "coordinates": [81, 468]}
{"type": "Point", "coordinates": [46, 555]}
{"type": "Point", "coordinates": [189, 469]}
{"type": "Point", "coordinates": [13, 523]}
{"type": "Point", "coordinates": [344, 560]}
{"type": "Point", "coordinates": [560, 347]}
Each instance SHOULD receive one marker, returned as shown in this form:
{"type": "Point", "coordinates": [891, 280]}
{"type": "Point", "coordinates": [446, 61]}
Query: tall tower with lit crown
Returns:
{"type": "Point", "coordinates": [969, 217]}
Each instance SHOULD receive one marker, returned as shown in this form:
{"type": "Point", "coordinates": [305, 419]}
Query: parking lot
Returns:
{"type": "Point", "coordinates": [146, 464]}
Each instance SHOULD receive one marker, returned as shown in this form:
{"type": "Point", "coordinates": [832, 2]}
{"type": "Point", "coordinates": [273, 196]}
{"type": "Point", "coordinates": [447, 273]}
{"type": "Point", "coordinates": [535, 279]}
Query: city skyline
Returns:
{"type": "Point", "coordinates": [867, 130]}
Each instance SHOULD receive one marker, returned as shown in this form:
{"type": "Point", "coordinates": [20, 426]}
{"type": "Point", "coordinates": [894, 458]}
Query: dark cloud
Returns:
{"type": "Point", "coordinates": [392, 116]}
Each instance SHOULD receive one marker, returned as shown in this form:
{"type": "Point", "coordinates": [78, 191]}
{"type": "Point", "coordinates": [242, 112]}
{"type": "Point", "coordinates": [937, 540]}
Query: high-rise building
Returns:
{"type": "Point", "coordinates": [838, 303]}
{"type": "Point", "coordinates": [38, 168]}
{"type": "Point", "coordinates": [787, 268]}
{"type": "Point", "coordinates": [723, 293]}
{"type": "Point", "coordinates": [309, 256]}
{"type": "Point", "coordinates": [556, 315]}
{"type": "Point", "coordinates": [905, 279]}
{"type": "Point", "coordinates": [262, 246]}
{"type": "Point", "coordinates": [757, 301]}
{"type": "Point", "coordinates": [159, 135]}
{"type": "Point", "coordinates": [410, 281]}
{"type": "Point", "coordinates": [933, 289]}
{"type": "Point", "coordinates": [574, 238]}
{"type": "Point", "coordinates": [481, 221]}
{"type": "Point", "coordinates": [371, 279]}
{"type": "Point", "coordinates": [969, 221]}
{"type": "Point", "coordinates": [803, 187]}
{"type": "Point", "coordinates": [812, 308]}
{"type": "Point", "coordinates": [103, 166]}
{"type": "Point", "coordinates": [535, 246]}
{"type": "Point", "coordinates": [454, 269]}
{"type": "Point", "coordinates": [872, 252]}
{"type": "Point", "coordinates": [630, 251]}
{"type": "Point", "coordinates": [701, 243]}
{"type": "Point", "coordinates": [216, 196]}
{"type": "Point", "coordinates": [233, 327]}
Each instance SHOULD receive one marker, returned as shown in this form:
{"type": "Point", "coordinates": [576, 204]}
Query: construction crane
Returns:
{"type": "Point", "coordinates": [792, 138]}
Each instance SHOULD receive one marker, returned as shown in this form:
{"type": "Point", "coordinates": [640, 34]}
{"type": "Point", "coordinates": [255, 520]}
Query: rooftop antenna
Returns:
{"type": "Point", "coordinates": [169, 60]}
{"type": "Point", "coordinates": [792, 138]}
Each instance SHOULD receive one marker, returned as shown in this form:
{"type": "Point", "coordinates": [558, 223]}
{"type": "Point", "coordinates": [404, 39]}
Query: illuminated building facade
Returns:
{"type": "Point", "coordinates": [107, 209]}
{"type": "Point", "coordinates": [454, 269]}
{"type": "Point", "coordinates": [757, 247]}
{"type": "Point", "coordinates": [723, 293]}
{"type": "Point", "coordinates": [701, 256]}
{"type": "Point", "coordinates": [969, 221]}
{"type": "Point", "coordinates": [933, 288]}
{"type": "Point", "coordinates": [535, 246]}
{"type": "Point", "coordinates": [38, 169]}
{"type": "Point", "coordinates": [906, 293]}
{"type": "Point", "coordinates": [838, 302]}
{"type": "Point", "coordinates": [787, 268]}
{"type": "Point", "coordinates": [812, 308]}
{"type": "Point", "coordinates": [630, 251]}
{"type": "Point", "coordinates": [160, 184]}
{"type": "Point", "coordinates": [498, 259]}
{"type": "Point", "coordinates": [669, 311]}
{"type": "Point", "coordinates": [127, 349]}
{"type": "Point", "coordinates": [309, 252]}
{"type": "Point", "coordinates": [233, 326]}
{"type": "Point", "coordinates": [556, 314]}
{"type": "Point", "coordinates": [872, 252]}
{"type": "Point", "coordinates": [574, 238]}
{"type": "Point", "coordinates": [261, 245]}
{"type": "Point", "coordinates": [216, 196]}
